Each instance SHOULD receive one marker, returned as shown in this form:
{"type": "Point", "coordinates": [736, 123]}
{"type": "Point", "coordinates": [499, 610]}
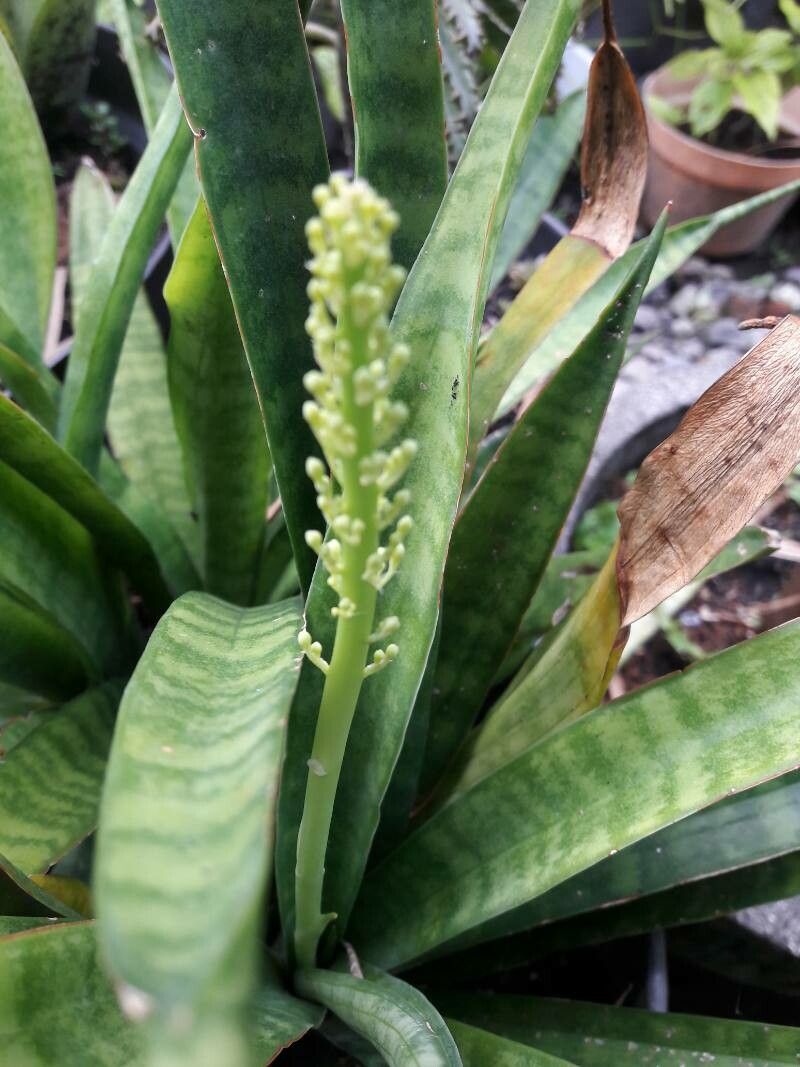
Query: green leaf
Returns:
{"type": "Point", "coordinates": [58, 1006]}
{"type": "Point", "coordinates": [58, 53]}
{"type": "Point", "coordinates": [609, 779]}
{"type": "Point", "coordinates": [217, 416]}
{"type": "Point", "coordinates": [479, 1048]}
{"type": "Point", "coordinates": [19, 895]}
{"type": "Point", "coordinates": [724, 24]}
{"type": "Point", "coordinates": [740, 834]}
{"type": "Point", "coordinates": [17, 924]}
{"type": "Point", "coordinates": [439, 316]}
{"type": "Point", "coordinates": [690, 64]}
{"type": "Point", "coordinates": [48, 560]}
{"type": "Point", "coordinates": [398, 111]}
{"type": "Point", "coordinates": [50, 783]}
{"type": "Point", "coordinates": [114, 283]}
{"type": "Point", "coordinates": [550, 151]}
{"type": "Point", "coordinates": [151, 83]}
{"type": "Point", "coordinates": [31, 451]}
{"type": "Point", "coordinates": [680, 244]}
{"type": "Point", "coordinates": [760, 94]}
{"type": "Point", "coordinates": [184, 844]}
{"type": "Point", "coordinates": [790, 9]}
{"type": "Point", "coordinates": [711, 101]}
{"type": "Point", "coordinates": [34, 388]}
{"type": "Point", "coordinates": [394, 1017]}
{"type": "Point", "coordinates": [37, 653]}
{"type": "Point", "coordinates": [508, 528]}
{"type": "Point", "coordinates": [249, 88]}
{"type": "Point", "coordinates": [28, 228]}
{"type": "Point", "coordinates": [140, 423]}
{"type": "Point", "coordinates": [591, 1035]}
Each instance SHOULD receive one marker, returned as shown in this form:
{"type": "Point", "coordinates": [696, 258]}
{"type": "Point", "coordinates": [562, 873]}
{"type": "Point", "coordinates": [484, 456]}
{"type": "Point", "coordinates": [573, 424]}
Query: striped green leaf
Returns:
{"type": "Point", "coordinates": [48, 560]}
{"type": "Point", "coordinates": [140, 424]}
{"type": "Point", "coordinates": [405, 1029]}
{"type": "Point", "coordinates": [151, 83]}
{"type": "Point", "coordinates": [50, 783]}
{"type": "Point", "coordinates": [479, 1048]}
{"type": "Point", "coordinates": [57, 1006]}
{"type": "Point", "coordinates": [438, 315]}
{"type": "Point", "coordinates": [680, 243]}
{"type": "Point", "coordinates": [184, 841]}
{"type": "Point", "coordinates": [591, 1035]}
{"type": "Point", "coordinates": [245, 80]}
{"type": "Point", "coordinates": [550, 151]}
{"type": "Point", "coordinates": [17, 924]}
{"type": "Point", "coordinates": [30, 450]}
{"type": "Point", "coordinates": [113, 285]}
{"type": "Point", "coordinates": [217, 417]}
{"type": "Point", "coordinates": [611, 778]}
{"type": "Point", "coordinates": [748, 829]}
{"type": "Point", "coordinates": [398, 110]}
{"type": "Point", "coordinates": [28, 221]}
{"type": "Point", "coordinates": [509, 526]}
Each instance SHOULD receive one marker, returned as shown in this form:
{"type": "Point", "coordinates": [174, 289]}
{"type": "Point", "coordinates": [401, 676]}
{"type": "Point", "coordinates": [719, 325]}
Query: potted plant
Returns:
{"type": "Point", "coordinates": [724, 124]}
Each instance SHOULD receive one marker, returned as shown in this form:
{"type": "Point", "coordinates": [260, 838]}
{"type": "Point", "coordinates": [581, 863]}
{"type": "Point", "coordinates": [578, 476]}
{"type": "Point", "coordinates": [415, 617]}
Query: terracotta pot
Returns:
{"type": "Point", "coordinates": [699, 179]}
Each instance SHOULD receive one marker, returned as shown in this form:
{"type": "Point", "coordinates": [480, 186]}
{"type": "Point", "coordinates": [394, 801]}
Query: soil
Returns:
{"type": "Point", "coordinates": [730, 608]}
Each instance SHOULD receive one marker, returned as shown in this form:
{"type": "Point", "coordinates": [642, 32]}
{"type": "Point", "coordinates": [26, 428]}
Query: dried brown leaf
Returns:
{"type": "Point", "coordinates": [732, 450]}
{"type": "Point", "coordinates": [614, 155]}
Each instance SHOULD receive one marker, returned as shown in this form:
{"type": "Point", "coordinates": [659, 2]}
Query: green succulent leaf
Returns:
{"type": "Point", "coordinates": [28, 227]}
{"type": "Point", "coordinates": [508, 528]}
{"type": "Point", "coordinates": [34, 388]}
{"type": "Point", "coordinates": [58, 1006]}
{"type": "Point", "coordinates": [151, 83]}
{"type": "Point", "coordinates": [398, 111]}
{"type": "Point", "coordinates": [245, 80]}
{"type": "Point", "coordinates": [217, 417]}
{"type": "Point", "coordinates": [676, 874]}
{"type": "Point", "coordinates": [680, 243]}
{"type": "Point", "coordinates": [140, 424]}
{"type": "Point", "coordinates": [438, 316]}
{"type": "Point", "coordinates": [33, 453]}
{"type": "Point", "coordinates": [50, 782]}
{"type": "Point", "coordinates": [184, 840]}
{"type": "Point", "coordinates": [58, 50]}
{"type": "Point", "coordinates": [611, 778]}
{"type": "Point", "coordinates": [394, 1017]}
{"type": "Point", "coordinates": [37, 653]}
{"type": "Point", "coordinates": [550, 151]}
{"type": "Point", "coordinates": [591, 1035]}
{"type": "Point", "coordinates": [480, 1047]}
{"type": "Point", "coordinates": [48, 561]}
{"type": "Point", "coordinates": [113, 285]}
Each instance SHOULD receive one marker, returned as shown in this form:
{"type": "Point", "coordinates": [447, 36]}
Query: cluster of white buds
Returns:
{"type": "Point", "coordinates": [353, 287]}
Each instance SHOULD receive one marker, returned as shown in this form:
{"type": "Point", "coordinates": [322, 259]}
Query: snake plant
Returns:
{"type": "Point", "coordinates": [302, 720]}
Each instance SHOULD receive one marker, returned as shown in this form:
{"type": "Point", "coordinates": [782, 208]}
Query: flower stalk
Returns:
{"type": "Point", "coordinates": [353, 287]}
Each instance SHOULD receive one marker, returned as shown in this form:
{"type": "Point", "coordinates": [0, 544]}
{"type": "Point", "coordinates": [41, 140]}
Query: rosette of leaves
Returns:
{"type": "Point", "coordinates": [164, 736]}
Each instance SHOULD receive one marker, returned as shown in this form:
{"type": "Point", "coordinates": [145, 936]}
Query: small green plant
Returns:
{"type": "Point", "coordinates": [431, 781]}
{"type": "Point", "coordinates": [747, 70]}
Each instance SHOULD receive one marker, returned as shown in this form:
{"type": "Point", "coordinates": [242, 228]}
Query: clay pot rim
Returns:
{"type": "Point", "coordinates": [717, 166]}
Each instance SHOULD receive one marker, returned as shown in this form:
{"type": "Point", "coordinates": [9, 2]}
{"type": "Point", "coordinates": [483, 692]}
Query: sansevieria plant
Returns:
{"type": "Point", "coordinates": [286, 744]}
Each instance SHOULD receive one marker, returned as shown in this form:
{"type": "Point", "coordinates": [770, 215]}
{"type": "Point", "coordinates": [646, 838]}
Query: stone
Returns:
{"type": "Point", "coordinates": [792, 275]}
{"type": "Point", "coordinates": [725, 333]}
{"type": "Point", "coordinates": [682, 327]}
{"type": "Point", "coordinates": [787, 293]}
{"type": "Point", "coordinates": [682, 304]}
{"type": "Point", "coordinates": [649, 319]}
